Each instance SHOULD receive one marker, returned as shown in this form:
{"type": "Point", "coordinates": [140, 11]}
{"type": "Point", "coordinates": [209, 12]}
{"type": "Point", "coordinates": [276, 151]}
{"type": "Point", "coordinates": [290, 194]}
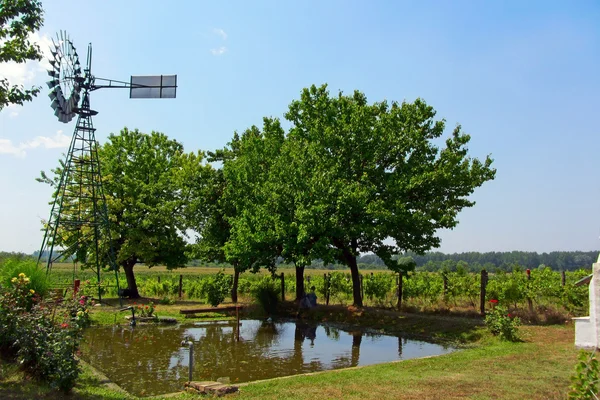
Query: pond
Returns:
{"type": "Point", "coordinates": [149, 360]}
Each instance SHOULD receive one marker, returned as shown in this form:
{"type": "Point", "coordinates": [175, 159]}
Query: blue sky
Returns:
{"type": "Point", "coordinates": [523, 78]}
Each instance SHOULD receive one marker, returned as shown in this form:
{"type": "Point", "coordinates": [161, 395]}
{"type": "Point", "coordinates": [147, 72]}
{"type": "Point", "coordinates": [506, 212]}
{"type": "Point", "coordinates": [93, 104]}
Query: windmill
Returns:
{"type": "Point", "coordinates": [78, 226]}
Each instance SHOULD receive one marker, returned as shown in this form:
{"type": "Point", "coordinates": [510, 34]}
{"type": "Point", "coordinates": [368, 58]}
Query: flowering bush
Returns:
{"type": "Point", "coordinates": [501, 323]}
{"type": "Point", "coordinates": [146, 311]}
{"type": "Point", "coordinates": [43, 337]}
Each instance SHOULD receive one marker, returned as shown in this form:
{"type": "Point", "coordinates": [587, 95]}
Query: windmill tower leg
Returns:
{"type": "Point", "coordinates": [78, 222]}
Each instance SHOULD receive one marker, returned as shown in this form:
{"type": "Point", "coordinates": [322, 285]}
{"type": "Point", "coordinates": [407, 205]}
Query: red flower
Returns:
{"type": "Point", "coordinates": [509, 316]}
{"type": "Point", "coordinates": [494, 301]}
{"type": "Point", "coordinates": [64, 325]}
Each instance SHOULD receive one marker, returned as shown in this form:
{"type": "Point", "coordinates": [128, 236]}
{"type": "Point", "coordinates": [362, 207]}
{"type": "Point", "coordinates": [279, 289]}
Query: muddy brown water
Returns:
{"type": "Point", "coordinates": [149, 360]}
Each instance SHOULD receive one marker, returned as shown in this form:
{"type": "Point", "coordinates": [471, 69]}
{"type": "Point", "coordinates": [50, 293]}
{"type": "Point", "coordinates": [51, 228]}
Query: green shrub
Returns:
{"type": "Point", "coordinates": [217, 287]}
{"type": "Point", "coordinates": [166, 301]}
{"type": "Point", "coordinates": [244, 286]}
{"type": "Point", "coordinates": [43, 338]}
{"type": "Point", "coordinates": [12, 267]}
{"type": "Point", "coordinates": [501, 323]}
{"type": "Point", "coordinates": [266, 293]}
{"type": "Point", "coordinates": [585, 380]}
{"type": "Point", "coordinates": [378, 286]}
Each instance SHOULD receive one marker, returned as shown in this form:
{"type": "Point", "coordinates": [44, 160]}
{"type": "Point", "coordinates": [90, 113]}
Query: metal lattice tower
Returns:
{"type": "Point", "coordinates": [78, 220]}
{"type": "Point", "coordinates": [79, 225]}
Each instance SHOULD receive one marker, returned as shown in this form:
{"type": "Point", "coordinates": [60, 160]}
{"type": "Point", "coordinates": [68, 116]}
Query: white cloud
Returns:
{"type": "Point", "coordinates": [220, 32]}
{"type": "Point", "coordinates": [6, 147]}
{"type": "Point", "coordinates": [220, 51]}
{"type": "Point", "coordinates": [59, 140]}
{"type": "Point", "coordinates": [26, 73]}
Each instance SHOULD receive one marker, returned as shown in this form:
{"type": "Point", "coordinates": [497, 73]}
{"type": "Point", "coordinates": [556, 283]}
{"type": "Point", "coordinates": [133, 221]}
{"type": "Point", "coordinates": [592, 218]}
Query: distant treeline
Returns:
{"type": "Point", "coordinates": [493, 261]}
{"type": "Point", "coordinates": [435, 261]}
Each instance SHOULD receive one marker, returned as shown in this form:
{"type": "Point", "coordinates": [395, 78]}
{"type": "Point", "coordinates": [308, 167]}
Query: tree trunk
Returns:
{"type": "Point", "coordinates": [400, 277]}
{"type": "Point", "coordinates": [299, 282]}
{"type": "Point", "coordinates": [350, 259]}
{"type": "Point", "coordinates": [131, 284]}
{"type": "Point", "coordinates": [358, 301]}
{"type": "Point", "coordinates": [234, 287]}
{"type": "Point", "coordinates": [355, 355]}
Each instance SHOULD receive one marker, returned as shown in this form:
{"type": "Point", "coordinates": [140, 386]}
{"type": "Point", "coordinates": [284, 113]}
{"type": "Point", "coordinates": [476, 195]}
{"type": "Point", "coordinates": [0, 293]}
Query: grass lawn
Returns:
{"type": "Point", "coordinates": [537, 368]}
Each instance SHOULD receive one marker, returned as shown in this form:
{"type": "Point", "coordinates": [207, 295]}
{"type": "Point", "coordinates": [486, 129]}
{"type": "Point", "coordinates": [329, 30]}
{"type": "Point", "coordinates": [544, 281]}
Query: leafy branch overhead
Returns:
{"type": "Point", "coordinates": [18, 20]}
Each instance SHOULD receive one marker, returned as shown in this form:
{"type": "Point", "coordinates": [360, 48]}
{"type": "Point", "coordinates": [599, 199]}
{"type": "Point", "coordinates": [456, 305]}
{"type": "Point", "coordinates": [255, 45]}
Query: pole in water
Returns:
{"type": "Point", "coordinates": [237, 318]}
{"type": "Point", "coordinates": [191, 359]}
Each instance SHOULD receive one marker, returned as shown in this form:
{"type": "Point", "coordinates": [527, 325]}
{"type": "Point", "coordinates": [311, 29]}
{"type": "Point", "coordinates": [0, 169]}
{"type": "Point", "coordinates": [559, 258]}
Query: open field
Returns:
{"type": "Point", "coordinates": [66, 268]}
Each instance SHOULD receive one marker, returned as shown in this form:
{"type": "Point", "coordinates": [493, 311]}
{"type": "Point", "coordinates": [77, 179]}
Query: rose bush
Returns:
{"type": "Point", "coordinates": [42, 336]}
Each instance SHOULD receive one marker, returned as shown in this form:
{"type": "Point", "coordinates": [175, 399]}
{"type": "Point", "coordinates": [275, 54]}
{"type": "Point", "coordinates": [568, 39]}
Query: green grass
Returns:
{"type": "Point", "coordinates": [536, 369]}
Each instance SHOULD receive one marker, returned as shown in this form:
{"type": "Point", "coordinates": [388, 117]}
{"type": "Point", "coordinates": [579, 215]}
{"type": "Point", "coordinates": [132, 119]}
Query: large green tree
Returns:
{"type": "Point", "coordinates": [374, 179]}
{"type": "Point", "coordinates": [253, 243]}
{"type": "Point", "coordinates": [150, 185]}
{"type": "Point", "coordinates": [18, 19]}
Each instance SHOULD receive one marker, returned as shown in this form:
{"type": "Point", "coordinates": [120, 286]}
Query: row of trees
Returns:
{"type": "Point", "coordinates": [346, 178]}
{"type": "Point", "coordinates": [492, 261]}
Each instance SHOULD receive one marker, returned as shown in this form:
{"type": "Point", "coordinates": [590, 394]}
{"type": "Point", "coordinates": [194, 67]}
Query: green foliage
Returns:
{"type": "Point", "coordinates": [340, 285]}
{"type": "Point", "coordinates": [404, 265]}
{"type": "Point", "coordinates": [166, 301]}
{"type": "Point", "coordinates": [18, 19]}
{"type": "Point", "coordinates": [584, 382]}
{"type": "Point", "coordinates": [147, 180]}
{"type": "Point", "coordinates": [43, 337]}
{"type": "Point", "coordinates": [266, 293]}
{"type": "Point", "coordinates": [425, 285]}
{"type": "Point", "coordinates": [11, 267]}
{"type": "Point", "coordinates": [502, 324]}
{"type": "Point", "coordinates": [377, 286]}
{"type": "Point", "coordinates": [396, 186]}
{"type": "Point", "coordinates": [217, 287]}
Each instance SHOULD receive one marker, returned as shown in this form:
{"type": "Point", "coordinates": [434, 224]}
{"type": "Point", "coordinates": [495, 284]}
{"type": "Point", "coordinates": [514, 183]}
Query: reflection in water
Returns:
{"type": "Point", "coordinates": [148, 360]}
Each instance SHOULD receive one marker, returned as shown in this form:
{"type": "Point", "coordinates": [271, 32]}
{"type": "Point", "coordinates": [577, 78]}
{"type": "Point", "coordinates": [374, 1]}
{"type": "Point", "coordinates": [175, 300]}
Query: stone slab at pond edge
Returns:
{"type": "Point", "coordinates": [209, 387]}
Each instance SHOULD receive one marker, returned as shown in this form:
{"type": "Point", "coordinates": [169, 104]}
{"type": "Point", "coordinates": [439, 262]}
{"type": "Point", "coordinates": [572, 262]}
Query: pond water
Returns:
{"type": "Point", "coordinates": [149, 360]}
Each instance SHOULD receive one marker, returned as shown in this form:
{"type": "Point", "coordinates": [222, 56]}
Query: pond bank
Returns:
{"type": "Point", "coordinates": [538, 368]}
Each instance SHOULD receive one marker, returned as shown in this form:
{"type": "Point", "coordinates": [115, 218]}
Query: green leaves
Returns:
{"type": "Point", "coordinates": [18, 19]}
{"type": "Point", "coordinates": [369, 172]}
{"type": "Point", "coordinates": [585, 379]}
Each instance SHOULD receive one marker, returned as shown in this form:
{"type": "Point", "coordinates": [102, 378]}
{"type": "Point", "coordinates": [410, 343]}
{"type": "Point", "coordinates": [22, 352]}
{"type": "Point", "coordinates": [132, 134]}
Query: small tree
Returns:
{"type": "Point", "coordinates": [148, 181]}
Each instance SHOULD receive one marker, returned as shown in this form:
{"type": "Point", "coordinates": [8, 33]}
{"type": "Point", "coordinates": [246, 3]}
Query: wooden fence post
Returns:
{"type": "Point", "coordinates": [362, 289]}
{"type": "Point", "coordinates": [563, 277]}
{"type": "Point", "coordinates": [327, 288]}
{"type": "Point", "coordinates": [399, 289]}
{"type": "Point", "coordinates": [282, 286]}
{"type": "Point", "coordinates": [180, 285]}
{"type": "Point", "coordinates": [529, 302]}
{"type": "Point", "coordinates": [484, 279]}
{"type": "Point", "coordinates": [445, 278]}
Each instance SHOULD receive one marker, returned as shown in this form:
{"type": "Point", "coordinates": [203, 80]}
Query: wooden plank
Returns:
{"type": "Point", "coordinates": [205, 310]}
